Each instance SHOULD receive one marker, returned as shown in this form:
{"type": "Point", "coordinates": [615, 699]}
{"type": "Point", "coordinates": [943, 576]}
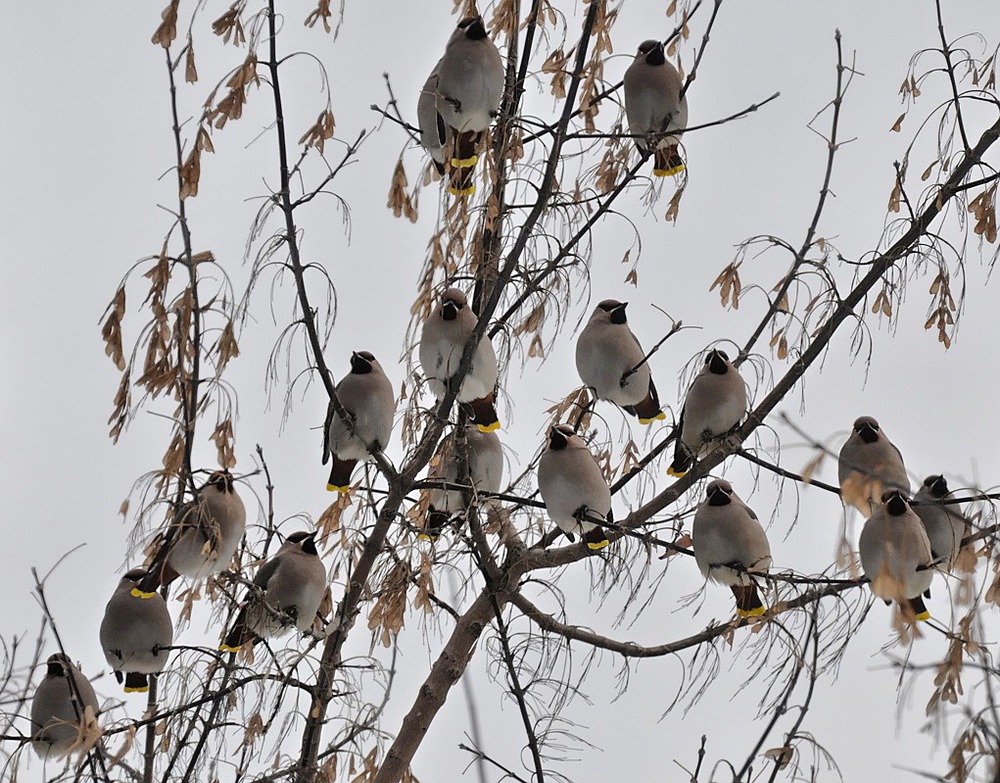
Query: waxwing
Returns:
{"type": "Point", "coordinates": [573, 487]}
{"type": "Point", "coordinates": [896, 555]}
{"type": "Point", "coordinates": [730, 545]}
{"type": "Point", "coordinates": [460, 100]}
{"type": "Point", "coordinates": [202, 537]}
{"type": "Point", "coordinates": [442, 341]}
{"type": "Point", "coordinates": [944, 523]}
{"type": "Point", "coordinates": [478, 457]}
{"type": "Point", "coordinates": [366, 394]}
{"type": "Point", "coordinates": [654, 106]}
{"type": "Point", "coordinates": [136, 632]}
{"type": "Point", "coordinates": [611, 361]}
{"type": "Point", "coordinates": [289, 590]}
{"type": "Point", "coordinates": [715, 404]}
{"type": "Point", "coordinates": [868, 466]}
{"type": "Point", "coordinates": [58, 707]}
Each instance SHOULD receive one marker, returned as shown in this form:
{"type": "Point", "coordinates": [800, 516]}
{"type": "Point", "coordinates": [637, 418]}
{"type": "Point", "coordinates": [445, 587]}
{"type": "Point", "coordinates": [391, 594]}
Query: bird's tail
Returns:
{"type": "Point", "coordinates": [239, 635]}
{"type": "Point", "coordinates": [435, 524]}
{"type": "Point", "coordinates": [596, 538]}
{"type": "Point", "coordinates": [748, 603]}
{"type": "Point", "coordinates": [682, 460]}
{"type": "Point", "coordinates": [136, 682]}
{"type": "Point", "coordinates": [340, 474]}
{"type": "Point", "coordinates": [648, 410]}
{"type": "Point", "coordinates": [483, 413]}
{"type": "Point", "coordinates": [463, 164]}
{"type": "Point", "coordinates": [919, 609]}
{"type": "Point", "coordinates": [667, 161]}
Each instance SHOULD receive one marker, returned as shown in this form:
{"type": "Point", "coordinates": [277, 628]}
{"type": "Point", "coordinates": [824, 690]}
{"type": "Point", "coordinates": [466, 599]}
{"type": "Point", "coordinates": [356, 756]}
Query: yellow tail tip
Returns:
{"type": "Point", "coordinates": [675, 473]}
{"type": "Point", "coordinates": [462, 191]}
{"type": "Point", "coordinates": [334, 488]}
{"type": "Point", "coordinates": [757, 612]}
{"type": "Point", "coordinates": [488, 427]}
{"type": "Point", "coordinates": [924, 616]}
{"type": "Point", "coordinates": [658, 417]}
{"type": "Point", "coordinates": [596, 545]}
{"type": "Point", "coordinates": [425, 536]}
{"type": "Point", "coordinates": [671, 172]}
{"type": "Point", "coordinates": [143, 689]}
{"type": "Point", "coordinates": [137, 593]}
{"type": "Point", "coordinates": [228, 648]}
{"type": "Point", "coordinates": [464, 163]}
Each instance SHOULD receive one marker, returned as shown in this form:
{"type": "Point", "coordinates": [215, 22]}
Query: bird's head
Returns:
{"type": "Point", "coordinates": [937, 486]}
{"type": "Point", "coordinates": [362, 362]}
{"type": "Point", "coordinates": [719, 493]}
{"type": "Point", "coordinates": [867, 429]}
{"type": "Point", "coordinates": [559, 436]}
{"type": "Point", "coordinates": [453, 302]}
{"type": "Point", "coordinates": [614, 309]}
{"type": "Point", "coordinates": [222, 480]}
{"type": "Point", "coordinates": [474, 28]}
{"type": "Point", "coordinates": [717, 361]}
{"type": "Point", "coordinates": [58, 665]}
{"type": "Point", "coordinates": [305, 540]}
{"type": "Point", "coordinates": [895, 502]}
{"type": "Point", "coordinates": [653, 52]}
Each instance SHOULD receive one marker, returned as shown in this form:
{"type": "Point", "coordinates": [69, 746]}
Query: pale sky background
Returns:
{"type": "Point", "coordinates": [88, 155]}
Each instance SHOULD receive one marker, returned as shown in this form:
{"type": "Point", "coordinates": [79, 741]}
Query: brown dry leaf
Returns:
{"type": "Point", "coordinates": [127, 740]}
{"type": "Point", "coordinates": [425, 586]}
{"type": "Point", "coordinates": [167, 30]}
{"type": "Point", "coordinates": [226, 346]}
{"type": "Point", "coordinates": [684, 540]}
{"type": "Point", "coordinates": [319, 131]}
{"type": "Point", "coordinates": [399, 200]}
{"type": "Point", "coordinates": [894, 197]}
{"type": "Point", "coordinates": [329, 521]}
{"type": "Point", "coordinates": [254, 729]}
{"type": "Point", "coordinates": [111, 331]}
{"type": "Point", "coordinates": [535, 349]}
{"type": "Point", "coordinates": [555, 64]}
{"type": "Point", "coordinates": [897, 125]}
{"type": "Point", "coordinates": [222, 437]}
{"type": "Point", "coordinates": [729, 285]}
{"type": "Point", "coordinates": [190, 172]}
{"type": "Point", "coordinates": [781, 756]}
{"type": "Point", "coordinates": [322, 13]}
{"type": "Point", "coordinates": [229, 25]}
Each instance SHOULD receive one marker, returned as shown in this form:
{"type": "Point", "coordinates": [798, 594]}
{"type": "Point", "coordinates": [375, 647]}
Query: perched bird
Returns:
{"type": "Point", "coordinates": [654, 105]}
{"type": "Point", "coordinates": [944, 524]}
{"type": "Point", "coordinates": [896, 555]}
{"type": "Point", "coordinates": [572, 486]}
{"type": "Point", "coordinates": [366, 394]}
{"type": "Point", "coordinates": [459, 101]}
{"type": "Point", "coordinates": [58, 706]}
{"type": "Point", "coordinates": [202, 538]}
{"type": "Point", "coordinates": [869, 465]}
{"type": "Point", "coordinates": [135, 633]}
{"type": "Point", "coordinates": [730, 545]}
{"type": "Point", "coordinates": [610, 361]}
{"type": "Point", "coordinates": [478, 457]}
{"type": "Point", "coordinates": [442, 340]}
{"type": "Point", "coordinates": [715, 403]}
{"type": "Point", "coordinates": [289, 589]}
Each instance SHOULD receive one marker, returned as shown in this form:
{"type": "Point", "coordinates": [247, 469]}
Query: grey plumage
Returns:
{"type": "Point", "coordinates": [606, 352]}
{"type": "Point", "coordinates": [478, 457]}
{"type": "Point", "coordinates": [290, 588]}
{"type": "Point", "coordinates": [366, 394]}
{"type": "Point", "coordinates": [58, 707]}
{"type": "Point", "coordinates": [944, 524]}
{"type": "Point", "coordinates": [459, 101]}
{"type": "Point", "coordinates": [572, 485]}
{"type": "Point", "coordinates": [204, 534]}
{"type": "Point", "coordinates": [135, 633]}
{"type": "Point", "coordinates": [715, 403]}
{"type": "Point", "coordinates": [654, 105]}
{"type": "Point", "coordinates": [896, 555]}
{"type": "Point", "coordinates": [869, 465]}
{"type": "Point", "coordinates": [442, 340]}
{"type": "Point", "coordinates": [727, 533]}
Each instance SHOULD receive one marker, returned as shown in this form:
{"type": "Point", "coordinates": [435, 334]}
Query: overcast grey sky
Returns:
{"type": "Point", "coordinates": [88, 155]}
